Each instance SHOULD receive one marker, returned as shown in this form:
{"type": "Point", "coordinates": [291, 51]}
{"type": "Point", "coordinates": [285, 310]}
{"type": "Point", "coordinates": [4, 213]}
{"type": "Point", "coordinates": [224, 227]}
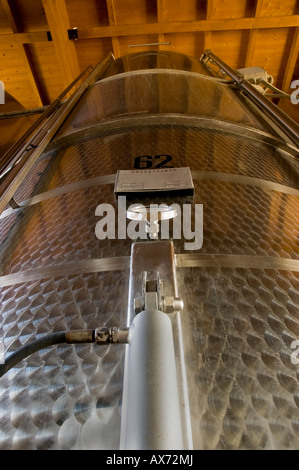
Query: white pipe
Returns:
{"type": "Point", "coordinates": [150, 408]}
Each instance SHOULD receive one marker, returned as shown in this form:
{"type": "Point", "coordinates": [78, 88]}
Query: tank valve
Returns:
{"type": "Point", "coordinates": [152, 215]}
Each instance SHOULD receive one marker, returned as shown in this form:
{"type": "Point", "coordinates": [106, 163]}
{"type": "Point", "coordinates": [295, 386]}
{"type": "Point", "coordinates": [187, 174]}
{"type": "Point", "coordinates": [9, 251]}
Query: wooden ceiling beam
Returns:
{"type": "Point", "coordinates": [161, 18]}
{"type": "Point", "coordinates": [209, 15]}
{"type": "Point", "coordinates": [188, 27]}
{"type": "Point", "coordinates": [24, 38]}
{"type": "Point", "coordinates": [112, 21]}
{"type": "Point", "coordinates": [161, 28]}
{"type": "Point", "coordinates": [293, 55]}
{"type": "Point", "coordinates": [253, 35]}
{"type": "Point", "coordinates": [59, 24]}
{"type": "Point", "coordinates": [36, 97]}
{"type": "Point", "coordinates": [210, 9]}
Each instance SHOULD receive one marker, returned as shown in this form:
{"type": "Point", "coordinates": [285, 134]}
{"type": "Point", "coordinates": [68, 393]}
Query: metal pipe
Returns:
{"type": "Point", "coordinates": [11, 156]}
{"type": "Point", "coordinates": [150, 409]}
{"type": "Point", "coordinates": [23, 112]}
{"type": "Point", "coordinates": [287, 124]}
{"type": "Point", "coordinates": [151, 44]}
{"type": "Point", "coordinates": [101, 336]}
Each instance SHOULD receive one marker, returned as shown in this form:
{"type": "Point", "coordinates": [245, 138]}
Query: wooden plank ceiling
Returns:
{"type": "Point", "coordinates": [38, 60]}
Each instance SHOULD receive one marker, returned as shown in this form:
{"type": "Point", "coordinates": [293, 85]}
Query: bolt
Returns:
{"type": "Point", "coordinates": [172, 304]}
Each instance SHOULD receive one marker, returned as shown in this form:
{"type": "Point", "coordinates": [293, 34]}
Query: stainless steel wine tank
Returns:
{"type": "Point", "coordinates": [221, 289]}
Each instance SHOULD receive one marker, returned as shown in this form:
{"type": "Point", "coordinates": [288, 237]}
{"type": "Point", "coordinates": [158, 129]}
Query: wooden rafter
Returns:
{"type": "Point", "coordinates": [112, 21]}
{"type": "Point", "coordinates": [161, 18]}
{"type": "Point", "coordinates": [192, 26]}
{"type": "Point", "coordinates": [291, 62]}
{"type": "Point", "coordinates": [158, 28]}
{"type": "Point", "coordinates": [59, 24]}
{"type": "Point", "coordinates": [24, 38]}
{"type": "Point", "coordinates": [37, 101]}
{"type": "Point", "coordinates": [253, 35]}
{"type": "Point", "coordinates": [208, 34]}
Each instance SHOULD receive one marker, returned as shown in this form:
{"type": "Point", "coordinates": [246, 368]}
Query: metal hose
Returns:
{"type": "Point", "coordinates": [28, 349]}
{"type": "Point", "coordinates": [102, 336]}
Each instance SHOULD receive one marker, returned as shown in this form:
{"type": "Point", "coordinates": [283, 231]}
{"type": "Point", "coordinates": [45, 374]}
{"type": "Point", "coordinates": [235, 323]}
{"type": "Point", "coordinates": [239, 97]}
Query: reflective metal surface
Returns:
{"type": "Point", "coordinates": [240, 289]}
{"type": "Point", "coordinates": [159, 91]}
{"type": "Point", "coordinates": [289, 127]}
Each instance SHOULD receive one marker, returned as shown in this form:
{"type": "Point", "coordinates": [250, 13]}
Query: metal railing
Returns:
{"type": "Point", "coordinates": [286, 123]}
{"type": "Point", "coordinates": [24, 153]}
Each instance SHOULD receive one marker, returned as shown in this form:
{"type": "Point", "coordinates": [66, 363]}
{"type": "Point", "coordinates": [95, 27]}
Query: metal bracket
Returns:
{"type": "Point", "coordinates": [153, 297]}
{"type": "Point", "coordinates": [14, 204]}
{"type": "Point", "coordinates": [73, 33]}
{"type": "Point", "coordinates": [153, 283]}
{"type": "Point", "coordinates": [31, 147]}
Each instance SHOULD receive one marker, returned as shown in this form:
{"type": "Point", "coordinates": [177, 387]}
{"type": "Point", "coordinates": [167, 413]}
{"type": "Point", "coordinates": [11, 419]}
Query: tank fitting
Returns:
{"type": "Point", "coordinates": [111, 335]}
